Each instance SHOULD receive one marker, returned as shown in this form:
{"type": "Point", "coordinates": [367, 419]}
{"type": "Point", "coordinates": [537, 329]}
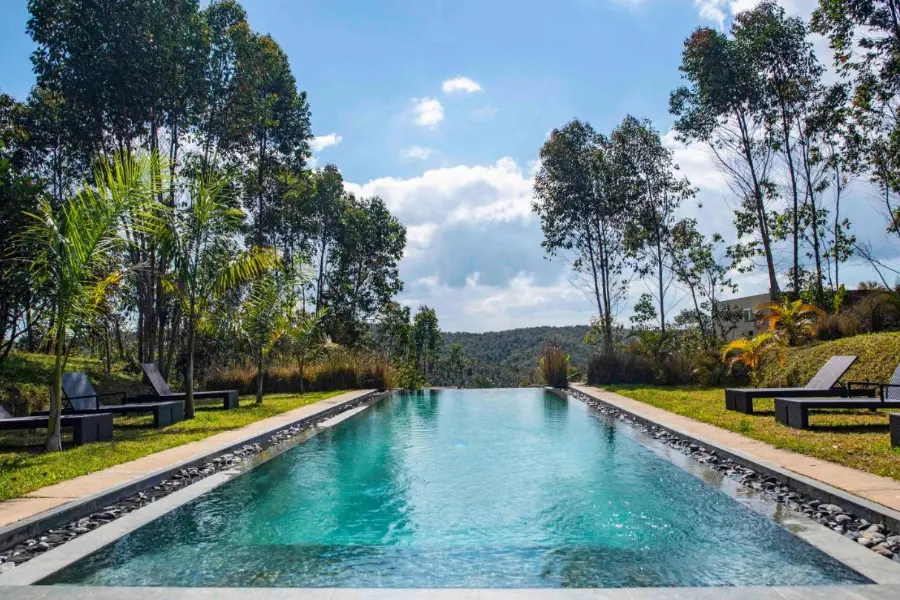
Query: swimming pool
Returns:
{"type": "Point", "coordinates": [463, 488]}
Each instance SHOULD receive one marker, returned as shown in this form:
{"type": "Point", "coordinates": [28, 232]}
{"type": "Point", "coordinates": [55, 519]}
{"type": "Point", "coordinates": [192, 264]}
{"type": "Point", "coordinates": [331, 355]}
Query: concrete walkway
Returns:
{"type": "Point", "coordinates": [880, 490]}
{"type": "Point", "coordinates": [88, 485]}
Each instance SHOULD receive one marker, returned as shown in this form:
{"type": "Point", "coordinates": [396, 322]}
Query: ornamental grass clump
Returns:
{"type": "Point", "coordinates": [554, 365]}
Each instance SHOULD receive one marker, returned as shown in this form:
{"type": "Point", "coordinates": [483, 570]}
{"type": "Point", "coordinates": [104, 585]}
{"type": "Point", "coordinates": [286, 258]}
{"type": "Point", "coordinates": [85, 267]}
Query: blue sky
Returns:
{"type": "Point", "coordinates": [441, 106]}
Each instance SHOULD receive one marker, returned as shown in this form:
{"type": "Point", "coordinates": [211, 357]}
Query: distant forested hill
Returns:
{"type": "Point", "coordinates": [509, 358]}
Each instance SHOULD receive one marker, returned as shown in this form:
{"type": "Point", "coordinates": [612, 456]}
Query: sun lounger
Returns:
{"type": "Point", "coordinates": [163, 391]}
{"type": "Point", "coordinates": [95, 427]}
{"type": "Point", "coordinates": [824, 383]}
{"type": "Point", "coordinates": [81, 399]}
{"type": "Point", "coordinates": [794, 412]}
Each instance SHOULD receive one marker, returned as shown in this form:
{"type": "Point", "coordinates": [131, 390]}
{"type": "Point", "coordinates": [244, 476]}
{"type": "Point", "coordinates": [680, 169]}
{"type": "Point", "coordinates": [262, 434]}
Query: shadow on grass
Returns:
{"type": "Point", "coordinates": [873, 428]}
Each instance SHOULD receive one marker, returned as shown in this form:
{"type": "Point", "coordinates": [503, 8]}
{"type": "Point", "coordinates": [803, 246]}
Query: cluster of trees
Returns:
{"type": "Point", "coordinates": [789, 144]}
{"type": "Point", "coordinates": [611, 202]}
{"type": "Point", "coordinates": [156, 197]}
{"type": "Point", "coordinates": [413, 343]}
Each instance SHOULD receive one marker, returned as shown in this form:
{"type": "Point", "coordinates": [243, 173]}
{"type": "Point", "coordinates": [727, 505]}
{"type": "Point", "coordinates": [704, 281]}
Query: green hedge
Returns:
{"type": "Point", "coordinates": [878, 355]}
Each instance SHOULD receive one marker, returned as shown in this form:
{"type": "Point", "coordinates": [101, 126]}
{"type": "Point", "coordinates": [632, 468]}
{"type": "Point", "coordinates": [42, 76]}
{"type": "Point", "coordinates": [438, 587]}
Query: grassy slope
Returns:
{"type": "Point", "coordinates": [878, 354]}
{"type": "Point", "coordinates": [24, 469]}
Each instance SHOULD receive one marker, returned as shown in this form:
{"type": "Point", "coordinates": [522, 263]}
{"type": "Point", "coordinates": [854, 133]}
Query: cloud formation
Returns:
{"type": "Point", "coordinates": [462, 85]}
{"type": "Point", "coordinates": [320, 142]}
{"type": "Point", "coordinates": [416, 152]}
{"type": "Point", "coordinates": [427, 112]}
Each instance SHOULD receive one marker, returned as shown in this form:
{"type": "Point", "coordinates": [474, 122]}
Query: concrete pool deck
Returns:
{"type": "Point", "coordinates": [92, 484]}
{"type": "Point", "coordinates": [881, 491]}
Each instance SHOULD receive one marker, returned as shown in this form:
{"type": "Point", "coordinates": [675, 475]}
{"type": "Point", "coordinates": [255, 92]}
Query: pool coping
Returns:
{"type": "Point", "coordinates": [32, 526]}
{"type": "Point", "coordinates": [870, 510]}
{"type": "Point", "coordinates": [17, 583]}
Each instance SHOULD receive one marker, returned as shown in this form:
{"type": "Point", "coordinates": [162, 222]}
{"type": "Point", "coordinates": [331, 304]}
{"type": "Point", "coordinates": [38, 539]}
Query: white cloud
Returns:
{"type": "Point", "coordinates": [474, 248]}
{"type": "Point", "coordinates": [719, 11]}
{"type": "Point", "coordinates": [498, 192]}
{"type": "Point", "coordinates": [320, 142]}
{"type": "Point", "coordinates": [696, 163]}
{"type": "Point", "coordinates": [461, 84]}
{"type": "Point", "coordinates": [416, 152]}
{"type": "Point", "coordinates": [428, 112]}
{"type": "Point", "coordinates": [418, 238]}
{"type": "Point", "coordinates": [521, 302]}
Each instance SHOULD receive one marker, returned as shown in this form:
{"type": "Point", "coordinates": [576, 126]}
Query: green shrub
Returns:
{"type": "Point", "coordinates": [554, 364]}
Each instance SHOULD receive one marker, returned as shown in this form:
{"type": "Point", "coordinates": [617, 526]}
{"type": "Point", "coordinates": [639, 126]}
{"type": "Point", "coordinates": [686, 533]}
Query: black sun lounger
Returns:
{"type": "Point", "coordinates": [95, 427]}
{"type": "Point", "coordinates": [163, 391]}
{"type": "Point", "coordinates": [823, 384]}
{"type": "Point", "coordinates": [81, 399]}
{"type": "Point", "coordinates": [794, 412]}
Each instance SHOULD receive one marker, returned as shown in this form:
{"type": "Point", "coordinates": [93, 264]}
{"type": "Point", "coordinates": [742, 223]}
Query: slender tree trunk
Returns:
{"type": "Point", "coordinates": [321, 278]}
{"type": "Point", "coordinates": [795, 217]}
{"type": "Point", "coordinates": [302, 365]}
{"type": "Point", "coordinates": [761, 216]}
{"type": "Point", "coordinates": [120, 344]}
{"type": "Point", "coordinates": [166, 365]}
{"type": "Point", "coordinates": [662, 289]}
{"type": "Point", "coordinates": [54, 440]}
{"type": "Point", "coordinates": [260, 373]}
{"type": "Point", "coordinates": [189, 378]}
{"type": "Point", "coordinates": [838, 188]}
{"type": "Point", "coordinates": [814, 223]}
{"type": "Point", "coordinates": [259, 183]}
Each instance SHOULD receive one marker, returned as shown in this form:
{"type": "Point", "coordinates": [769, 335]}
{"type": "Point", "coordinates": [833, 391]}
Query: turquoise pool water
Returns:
{"type": "Point", "coordinates": [469, 488]}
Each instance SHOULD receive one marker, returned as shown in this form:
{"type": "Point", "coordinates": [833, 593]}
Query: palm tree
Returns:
{"type": "Point", "coordinates": [750, 352]}
{"type": "Point", "coordinates": [307, 340]}
{"type": "Point", "coordinates": [200, 239]}
{"type": "Point", "coordinates": [264, 318]}
{"type": "Point", "coordinates": [792, 321]}
{"type": "Point", "coordinates": [71, 254]}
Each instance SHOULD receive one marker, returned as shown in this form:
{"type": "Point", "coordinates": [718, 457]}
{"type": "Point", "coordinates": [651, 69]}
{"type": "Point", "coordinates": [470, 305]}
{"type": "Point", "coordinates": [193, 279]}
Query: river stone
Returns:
{"type": "Point", "coordinates": [832, 508]}
{"type": "Point", "coordinates": [843, 518]}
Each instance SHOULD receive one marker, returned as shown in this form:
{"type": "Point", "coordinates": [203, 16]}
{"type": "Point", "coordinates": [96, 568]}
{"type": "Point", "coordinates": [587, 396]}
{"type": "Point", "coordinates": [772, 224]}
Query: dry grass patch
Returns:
{"type": "Point", "coordinates": [857, 439]}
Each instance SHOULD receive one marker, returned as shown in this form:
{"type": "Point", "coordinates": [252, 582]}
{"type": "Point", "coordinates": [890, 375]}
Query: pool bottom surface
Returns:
{"type": "Point", "coordinates": [467, 488]}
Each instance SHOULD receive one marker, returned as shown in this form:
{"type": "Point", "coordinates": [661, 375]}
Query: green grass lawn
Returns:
{"type": "Point", "coordinates": [857, 439]}
{"type": "Point", "coordinates": [25, 468]}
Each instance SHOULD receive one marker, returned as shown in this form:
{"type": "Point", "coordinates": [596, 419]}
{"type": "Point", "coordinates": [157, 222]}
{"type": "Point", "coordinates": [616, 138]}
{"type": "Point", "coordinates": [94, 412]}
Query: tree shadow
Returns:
{"type": "Point", "coordinates": [871, 428]}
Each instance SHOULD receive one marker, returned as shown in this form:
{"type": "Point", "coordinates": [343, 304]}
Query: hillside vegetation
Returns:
{"type": "Point", "coordinates": [878, 355]}
{"type": "Point", "coordinates": [510, 358]}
